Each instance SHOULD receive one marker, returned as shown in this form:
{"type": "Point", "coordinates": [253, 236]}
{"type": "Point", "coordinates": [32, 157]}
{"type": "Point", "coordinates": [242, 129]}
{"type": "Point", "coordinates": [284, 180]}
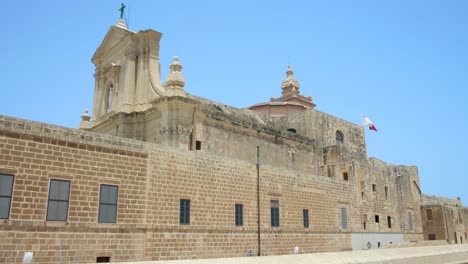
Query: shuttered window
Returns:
{"type": "Point", "coordinates": [344, 219]}
{"type": "Point", "coordinates": [108, 204]}
{"type": "Point", "coordinates": [305, 214]}
{"type": "Point", "coordinates": [6, 190]}
{"type": "Point", "coordinates": [239, 208]}
{"type": "Point", "coordinates": [57, 206]}
{"type": "Point", "coordinates": [275, 213]}
{"type": "Point", "coordinates": [184, 217]}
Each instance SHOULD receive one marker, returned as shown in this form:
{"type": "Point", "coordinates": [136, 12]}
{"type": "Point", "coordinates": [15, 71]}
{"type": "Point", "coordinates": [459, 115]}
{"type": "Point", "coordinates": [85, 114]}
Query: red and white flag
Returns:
{"type": "Point", "coordinates": [366, 122]}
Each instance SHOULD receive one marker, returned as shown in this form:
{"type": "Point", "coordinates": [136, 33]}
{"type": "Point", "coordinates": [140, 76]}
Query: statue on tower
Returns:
{"type": "Point", "coordinates": [121, 9]}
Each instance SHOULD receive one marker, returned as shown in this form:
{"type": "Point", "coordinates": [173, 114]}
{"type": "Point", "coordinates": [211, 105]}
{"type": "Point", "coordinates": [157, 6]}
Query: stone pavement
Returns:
{"type": "Point", "coordinates": [450, 254]}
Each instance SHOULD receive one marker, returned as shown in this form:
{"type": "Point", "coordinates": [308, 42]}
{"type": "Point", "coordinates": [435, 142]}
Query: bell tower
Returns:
{"type": "Point", "coordinates": [127, 75]}
{"type": "Point", "coordinates": [130, 99]}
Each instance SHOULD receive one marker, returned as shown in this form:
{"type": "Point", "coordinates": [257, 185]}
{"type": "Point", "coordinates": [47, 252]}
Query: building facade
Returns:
{"type": "Point", "coordinates": [156, 173]}
{"type": "Point", "coordinates": [444, 219]}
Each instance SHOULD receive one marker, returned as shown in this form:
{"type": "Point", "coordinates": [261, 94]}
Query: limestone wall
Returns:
{"type": "Point", "coordinates": [448, 218]}
{"type": "Point", "coordinates": [323, 127]}
{"type": "Point", "coordinates": [152, 179]}
{"type": "Point", "coordinates": [433, 220]}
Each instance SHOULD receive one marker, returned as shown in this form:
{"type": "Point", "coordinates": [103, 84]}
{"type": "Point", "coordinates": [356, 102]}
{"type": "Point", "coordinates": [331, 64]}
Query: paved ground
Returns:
{"type": "Point", "coordinates": [415, 255]}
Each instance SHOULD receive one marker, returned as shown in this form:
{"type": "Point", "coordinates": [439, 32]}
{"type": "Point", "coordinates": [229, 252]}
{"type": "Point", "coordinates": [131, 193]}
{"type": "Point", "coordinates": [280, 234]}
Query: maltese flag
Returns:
{"type": "Point", "coordinates": [366, 122]}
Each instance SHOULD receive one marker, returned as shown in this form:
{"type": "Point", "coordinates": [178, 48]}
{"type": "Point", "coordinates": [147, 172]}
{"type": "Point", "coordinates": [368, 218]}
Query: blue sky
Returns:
{"type": "Point", "coordinates": [403, 63]}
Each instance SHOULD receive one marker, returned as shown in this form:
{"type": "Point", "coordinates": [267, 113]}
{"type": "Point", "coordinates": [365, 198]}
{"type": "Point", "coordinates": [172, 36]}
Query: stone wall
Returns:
{"type": "Point", "coordinates": [152, 179]}
{"type": "Point", "coordinates": [433, 225]}
{"type": "Point", "coordinates": [448, 219]}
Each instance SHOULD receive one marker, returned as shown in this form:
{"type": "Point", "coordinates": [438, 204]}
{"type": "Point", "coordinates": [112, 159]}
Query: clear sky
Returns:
{"type": "Point", "coordinates": [403, 63]}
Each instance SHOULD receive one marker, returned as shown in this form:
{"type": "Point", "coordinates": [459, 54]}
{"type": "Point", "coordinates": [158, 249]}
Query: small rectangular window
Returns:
{"type": "Point", "coordinates": [275, 213]}
{"type": "Point", "coordinates": [386, 193]}
{"type": "Point", "coordinates": [345, 176]}
{"type": "Point", "coordinates": [429, 214]}
{"type": "Point", "coordinates": [377, 220]}
{"type": "Point", "coordinates": [389, 221]}
{"type": "Point", "coordinates": [108, 204]}
{"type": "Point", "coordinates": [6, 190]}
{"type": "Point", "coordinates": [198, 145]}
{"type": "Point", "coordinates": [57, 205]}
{"type": "Point", "coordinates": [432, 237]}
{"type": "Point", "coordinates": [305, 214]}
{"type": "Point", "coordinates": [344, 219]}
{"type": "Point", "coordinates": [102, 259]}
{"type": "Point", "coordinates": [239, 215]}
{"type": "Point", "coordinates": [374, 187]}
{"type": "Point", "coordinates": [184, 217]}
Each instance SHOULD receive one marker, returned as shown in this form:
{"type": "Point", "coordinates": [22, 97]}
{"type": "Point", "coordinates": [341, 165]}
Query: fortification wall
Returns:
{"type": "Point", "coordinates": [152, 179]}
{"type": "Point", "coordinates": [323, 127]}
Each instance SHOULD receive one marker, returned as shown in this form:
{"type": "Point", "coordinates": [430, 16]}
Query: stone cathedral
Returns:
{"type": "Point", "coordinates": [156, 173]}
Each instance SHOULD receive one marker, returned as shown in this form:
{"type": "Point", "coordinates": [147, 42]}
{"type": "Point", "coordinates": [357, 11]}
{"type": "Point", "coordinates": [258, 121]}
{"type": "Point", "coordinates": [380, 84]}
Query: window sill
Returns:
{"type": "Point", "coordinates": [56, 223]}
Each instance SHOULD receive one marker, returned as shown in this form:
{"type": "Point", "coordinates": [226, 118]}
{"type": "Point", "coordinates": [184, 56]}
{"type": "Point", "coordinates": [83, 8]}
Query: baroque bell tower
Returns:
{"type": "Point", "coordinates": [127, 75]}
{"type": "Point", "coordinates": [130, 99]}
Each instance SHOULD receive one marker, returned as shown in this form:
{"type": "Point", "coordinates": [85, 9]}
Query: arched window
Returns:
{"type": "Point", "coordinates": [339, 137]}
{"type": "Point", "coordinates": [110, 97]}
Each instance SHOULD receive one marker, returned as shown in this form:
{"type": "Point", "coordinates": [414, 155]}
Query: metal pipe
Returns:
{"type": "Point", "coordinates": [258, 198]}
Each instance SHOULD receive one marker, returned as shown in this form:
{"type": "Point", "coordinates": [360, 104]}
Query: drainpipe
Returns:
{"type": "Point", "coordinates": [258, 198]}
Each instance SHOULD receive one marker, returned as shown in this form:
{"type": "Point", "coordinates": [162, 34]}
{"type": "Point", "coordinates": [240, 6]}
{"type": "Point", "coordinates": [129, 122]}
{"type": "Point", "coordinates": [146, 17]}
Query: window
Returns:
{"type": "Point", "coordinates": [374, 187]}
{"type": "Point", "coordinates": [364, 225]}
{"type": "Point", "coordinates": [57, 206]}
{"type": "Point", "coordinates": [292, 130]}
{"type": "Point", "coordinates": [184, 218]}
{"type": "Point", "coordinates": [305, 214]}
{"type": "Point", "coordinates": [377, 219]}
{"type": "Point", "coordinates": [432, 237]}
{"type": "Point", "coordinates": [345, 176]}
{"type": "Point", "coordinates": [102, 259]}
{"type": "Point", "coordinates": [108, 204]}
{"type": "Point", "coordinates": [274, 213]}
{"type": "Point", "coordinates": [344, 219]}
{"type": "Point", "coordinates": [386, 193]}
{"type": "Point", "coordinates": [239, 215]}
{"type": "Point", "coordinates": [6, 190]}
{"type": "Point", "coordinates": [410, 221]}
{"type": "Point", "coordinates": [389, 221]}
{"type": "Point", "coordinates": [339, 137]}
{"type": "Point", "coordinates": [198, 145]}
{"type": "Point", "coordinates": [429, 214]}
